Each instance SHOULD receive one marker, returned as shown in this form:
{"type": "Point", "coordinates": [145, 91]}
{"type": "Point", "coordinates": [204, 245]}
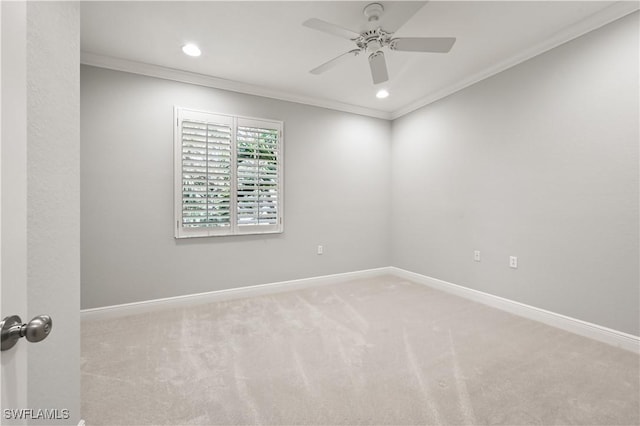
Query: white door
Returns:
{"type": "Point", "coordinates": [13, 169]}
{"type": "Point", "coordinates": [40, 211]}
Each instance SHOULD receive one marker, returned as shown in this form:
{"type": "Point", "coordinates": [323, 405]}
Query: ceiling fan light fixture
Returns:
{"type": "Point", "coordinates": [191, 50]}
{"type": "Point", "coordinates": [382, 93]}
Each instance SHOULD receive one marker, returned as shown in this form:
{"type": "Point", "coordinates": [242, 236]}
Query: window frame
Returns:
{"type": "Point", "coordinates": [234, 228]}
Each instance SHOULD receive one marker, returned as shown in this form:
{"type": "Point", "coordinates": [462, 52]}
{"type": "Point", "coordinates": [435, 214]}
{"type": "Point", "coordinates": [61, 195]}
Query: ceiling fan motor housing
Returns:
{"type": "Point", "coordinates": [373, 40]}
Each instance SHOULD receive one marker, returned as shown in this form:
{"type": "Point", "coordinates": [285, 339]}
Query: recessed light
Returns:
{"type": "Point", "coordinates": [382, 93]}
{"type": "Point", "coordinates": [191, 50]}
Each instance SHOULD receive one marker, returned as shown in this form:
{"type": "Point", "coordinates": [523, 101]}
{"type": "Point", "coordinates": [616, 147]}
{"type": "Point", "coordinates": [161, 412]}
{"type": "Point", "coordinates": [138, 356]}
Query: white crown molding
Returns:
{"type": "Point", "coordinates": [593, 22]}
{"type": "Point", "coordinates": [583, 328]}
{"type": "Point", "coordinates": [150, 70]}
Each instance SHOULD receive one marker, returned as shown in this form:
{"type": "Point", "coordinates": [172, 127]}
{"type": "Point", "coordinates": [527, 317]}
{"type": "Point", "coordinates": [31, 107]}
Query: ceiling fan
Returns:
{"type": "Point", "coordinates": [374, 40]}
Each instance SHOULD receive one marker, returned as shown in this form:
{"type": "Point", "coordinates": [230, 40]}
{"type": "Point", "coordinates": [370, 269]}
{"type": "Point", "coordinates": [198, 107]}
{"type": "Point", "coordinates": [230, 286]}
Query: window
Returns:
{"type": "Point", "coordinates": [228, 175]}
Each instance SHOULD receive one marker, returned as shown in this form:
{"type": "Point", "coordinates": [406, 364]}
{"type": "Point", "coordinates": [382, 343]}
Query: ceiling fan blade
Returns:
{"type": "Point", "coordinates": [327, 27]}
{"type": "Point", "coordinates": [378, 67]}
{"type": "Point", "coordinates": [333, 62]}
{"type": "Point", "coordinates": [423, 44]}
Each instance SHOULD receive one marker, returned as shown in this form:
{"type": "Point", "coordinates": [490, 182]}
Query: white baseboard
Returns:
{"type": "Point", "coordinates": [573, 325]}
{"type": "Point", "coordinates": [135, 308]}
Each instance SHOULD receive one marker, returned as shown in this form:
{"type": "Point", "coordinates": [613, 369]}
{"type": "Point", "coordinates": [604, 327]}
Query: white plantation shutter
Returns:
{"type": "Point", "coordinates": [206, 183]}
{"type": "Point", "coordinates": [258, 174]}
{"type": "Point", "coordinates": [228, 175]}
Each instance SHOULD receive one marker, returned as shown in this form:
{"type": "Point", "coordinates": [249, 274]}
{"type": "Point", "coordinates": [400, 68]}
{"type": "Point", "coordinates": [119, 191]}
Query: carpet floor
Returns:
{"type": "Point", "coordinates": [380, 351]}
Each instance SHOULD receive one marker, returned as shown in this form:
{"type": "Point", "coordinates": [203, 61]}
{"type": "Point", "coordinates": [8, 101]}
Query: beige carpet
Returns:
{"type": "Point", "coordinates": [378, 351]}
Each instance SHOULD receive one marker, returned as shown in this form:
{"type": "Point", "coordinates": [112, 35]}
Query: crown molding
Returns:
{"type": "Point", "coordinates": [605, 16]}
{"type": "Point", "coordinates": [150, 70]}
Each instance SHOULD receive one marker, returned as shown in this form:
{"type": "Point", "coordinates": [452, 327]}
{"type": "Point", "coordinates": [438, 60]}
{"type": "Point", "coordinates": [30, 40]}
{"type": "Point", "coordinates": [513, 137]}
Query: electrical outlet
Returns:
{"type": "Point", "coordinates": [513, 262]}
{"type": "Point", "coordinates": [320, 250]}
{"type": "Point", "coordinates": [476, 255]}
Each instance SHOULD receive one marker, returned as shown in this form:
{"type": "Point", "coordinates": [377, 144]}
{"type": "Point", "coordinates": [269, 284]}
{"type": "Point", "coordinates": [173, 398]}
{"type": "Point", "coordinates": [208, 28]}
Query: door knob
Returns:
{"type": "Point", "coordinates": [12, 329]}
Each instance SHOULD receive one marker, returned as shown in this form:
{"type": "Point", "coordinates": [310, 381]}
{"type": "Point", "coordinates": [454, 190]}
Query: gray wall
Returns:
{"type": "Point", "coordinates": [337, 190]}
{"type": "Point", "coordinates": [541, 162]}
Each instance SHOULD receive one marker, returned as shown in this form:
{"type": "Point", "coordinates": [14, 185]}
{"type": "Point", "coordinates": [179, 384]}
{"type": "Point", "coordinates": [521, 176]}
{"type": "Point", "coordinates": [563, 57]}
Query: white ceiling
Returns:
{"type": "Point", "coordinates": [262, 48]}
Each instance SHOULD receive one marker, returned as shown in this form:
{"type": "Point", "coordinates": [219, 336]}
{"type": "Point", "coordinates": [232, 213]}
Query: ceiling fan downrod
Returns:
{"type": "Point", "coordinates": [373, 11]}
